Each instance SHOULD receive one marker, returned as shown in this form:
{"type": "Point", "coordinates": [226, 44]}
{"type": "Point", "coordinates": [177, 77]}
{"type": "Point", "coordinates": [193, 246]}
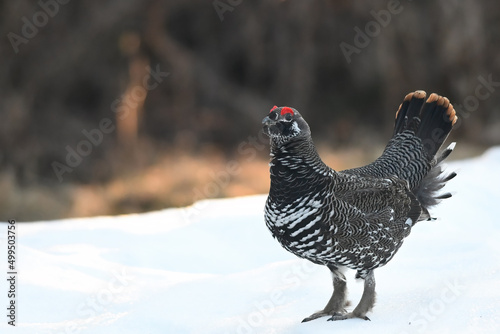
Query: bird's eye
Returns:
{"type": "Point", "coordinates": [273, 116]}
{"type": "Point", "coordinates": [288, 117]}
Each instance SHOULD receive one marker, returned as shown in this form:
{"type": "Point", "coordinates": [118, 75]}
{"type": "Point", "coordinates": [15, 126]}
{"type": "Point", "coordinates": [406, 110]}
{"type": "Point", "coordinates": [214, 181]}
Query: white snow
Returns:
{"type": "Point", "coordinates": [214, 268]}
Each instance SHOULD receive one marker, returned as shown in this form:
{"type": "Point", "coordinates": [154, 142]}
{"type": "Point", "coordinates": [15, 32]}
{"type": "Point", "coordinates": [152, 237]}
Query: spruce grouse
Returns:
{"type": "Point", "coordinates": [356, 218]}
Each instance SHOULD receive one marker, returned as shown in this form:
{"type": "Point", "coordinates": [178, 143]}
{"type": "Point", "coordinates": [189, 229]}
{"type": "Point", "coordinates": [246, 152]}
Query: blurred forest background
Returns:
{"type": "Point", "coordinates": [120, 106]}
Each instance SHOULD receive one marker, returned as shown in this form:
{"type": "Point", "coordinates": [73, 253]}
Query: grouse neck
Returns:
{"type": "Point", "coordinates": [297, 156]}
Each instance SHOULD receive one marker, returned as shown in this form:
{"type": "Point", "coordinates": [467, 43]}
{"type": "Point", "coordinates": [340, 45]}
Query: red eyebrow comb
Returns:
{"type": "Point", "coordinates": [286, 110]}
{"type": "Point", "coordinates": [275, 107]}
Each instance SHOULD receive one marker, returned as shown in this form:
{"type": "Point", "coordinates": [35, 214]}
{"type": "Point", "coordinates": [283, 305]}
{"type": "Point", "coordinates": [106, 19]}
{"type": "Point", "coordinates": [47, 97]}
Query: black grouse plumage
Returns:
{"type": "Point", "coordinates": [356, 218]}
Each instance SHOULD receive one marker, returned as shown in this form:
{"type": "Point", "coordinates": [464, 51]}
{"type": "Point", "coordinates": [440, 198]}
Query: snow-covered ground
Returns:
{"type": "Point", "coordinates": [214, 268]}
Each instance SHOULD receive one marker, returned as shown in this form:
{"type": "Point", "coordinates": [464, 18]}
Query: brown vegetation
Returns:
{"type": "Point", "coordinates": [164, 91]}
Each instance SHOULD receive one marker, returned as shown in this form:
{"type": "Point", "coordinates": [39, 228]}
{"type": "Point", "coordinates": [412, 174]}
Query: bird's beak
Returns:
{"type": "Point", "coordinates": [266, 125]}
{"type": "Point", "coordinates": [267, 121]}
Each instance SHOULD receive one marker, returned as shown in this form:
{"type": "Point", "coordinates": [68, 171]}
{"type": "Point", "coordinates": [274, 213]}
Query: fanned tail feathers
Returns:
{"type": "Point", "coordinates": [432, 122]}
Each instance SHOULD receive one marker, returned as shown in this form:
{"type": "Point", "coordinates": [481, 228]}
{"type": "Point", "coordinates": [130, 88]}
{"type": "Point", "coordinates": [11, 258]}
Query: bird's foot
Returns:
{"type": "Point", "coordinates": [323, 313]}
{"type": "Point", "coordinates": [349, 315]}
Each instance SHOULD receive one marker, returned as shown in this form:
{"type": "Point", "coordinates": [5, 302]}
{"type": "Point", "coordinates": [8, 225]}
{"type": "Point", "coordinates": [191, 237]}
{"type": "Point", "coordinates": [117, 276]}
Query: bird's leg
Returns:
{"type": "Point", "coordinates": [365, 304]}
{"type": "Point", "coordinates": [337, 302]}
